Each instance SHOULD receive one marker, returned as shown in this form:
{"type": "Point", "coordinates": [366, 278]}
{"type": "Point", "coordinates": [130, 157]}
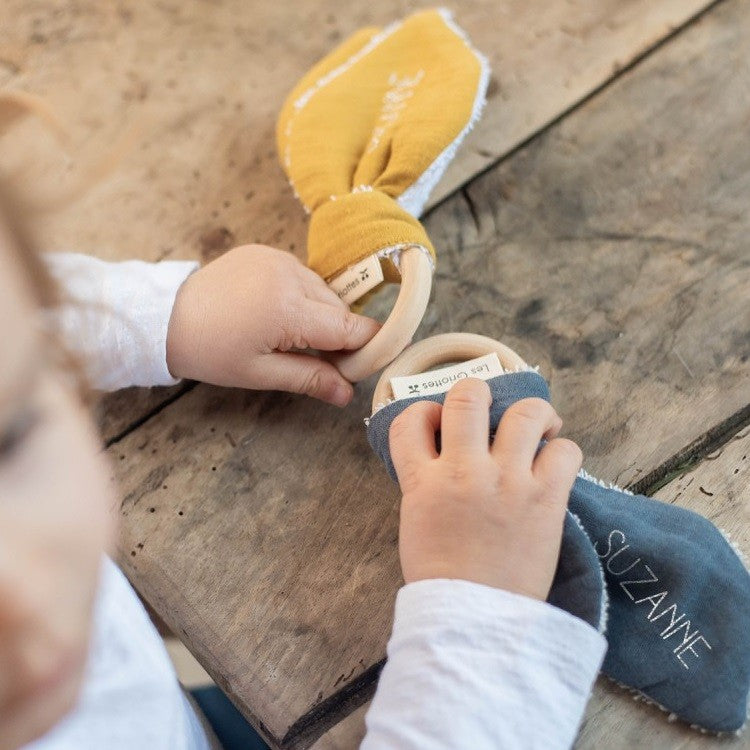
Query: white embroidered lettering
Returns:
{"type": "Point", "coordinates": [653, 579]}
{"type": "Point", "coordinates": [624, 570]}
{"type": "Point", "coordinates": [690, 648]}
{"type": "Point", "coordinates": [672, 618]}
{"type": "Point", "coordinates": [394, 102]}
{"type": "Point", "coordinates": [655, 599]}
{"type": "Point", "coordinates": [609, 540]}
{"type": "Point", "coordinates": [690, 639]}
{"type": "Point", "coordinates": [688, 635]}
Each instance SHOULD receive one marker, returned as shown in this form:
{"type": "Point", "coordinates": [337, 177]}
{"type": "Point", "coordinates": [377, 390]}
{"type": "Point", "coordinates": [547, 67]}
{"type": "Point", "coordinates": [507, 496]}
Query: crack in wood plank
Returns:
{"type": "Point", "coordinates": [693, 454]}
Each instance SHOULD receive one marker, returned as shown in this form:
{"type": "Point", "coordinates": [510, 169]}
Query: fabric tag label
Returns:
{"type": "Point", "coordinates": [438, 381]}
{"type": "Point", "coordinates": [358, 279]}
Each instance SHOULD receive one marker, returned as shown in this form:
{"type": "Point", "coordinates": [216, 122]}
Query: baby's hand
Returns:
{"type": "Point", "coordinates": [236, 321]}
{"type": "Point", "coordinates": [491, 515]}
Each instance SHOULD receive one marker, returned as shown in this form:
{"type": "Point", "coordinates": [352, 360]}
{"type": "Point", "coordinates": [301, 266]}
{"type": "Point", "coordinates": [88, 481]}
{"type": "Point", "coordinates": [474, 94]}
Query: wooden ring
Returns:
{"type": "Point", "coordinates": [438, 350]}
{"type": "Point", "coordinates": [402, 323]}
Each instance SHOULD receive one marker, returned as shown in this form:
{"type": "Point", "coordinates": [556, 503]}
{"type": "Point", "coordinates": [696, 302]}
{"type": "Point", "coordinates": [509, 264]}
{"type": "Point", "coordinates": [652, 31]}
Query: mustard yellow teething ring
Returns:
{"type": "Point", "coordinates": [440, 350]}
{"type": "Point", "coordinates": [364, 137]}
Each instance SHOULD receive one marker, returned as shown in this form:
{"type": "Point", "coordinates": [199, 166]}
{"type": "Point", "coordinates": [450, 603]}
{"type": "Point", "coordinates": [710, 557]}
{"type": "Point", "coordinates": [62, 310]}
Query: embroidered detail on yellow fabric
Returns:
{"type": "Point", "coordinates": [365, 135]}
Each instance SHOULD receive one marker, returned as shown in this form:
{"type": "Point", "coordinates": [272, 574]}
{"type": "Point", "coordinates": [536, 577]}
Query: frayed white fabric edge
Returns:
{"type": "Point", "coordinates": [413, 199]}
{"type": "Point", "coordinates": [583, 474]}
{"type": "Point", "coordinates": [735, 548]}
{"type": "Point", "coordinates": [637, 695]}
{"type": "Point", "coordinates": [604, 608]}
{"type": "Point", "coordinates": [393, 252]}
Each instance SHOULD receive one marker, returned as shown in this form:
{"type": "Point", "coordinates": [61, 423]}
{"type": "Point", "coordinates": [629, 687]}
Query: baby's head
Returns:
{"type": "Point", "coordinates": [36, 397]}
{"type": "Point", "coordinates": [55, 503]}
{"type": "Point", "coordinates": [33, 383]}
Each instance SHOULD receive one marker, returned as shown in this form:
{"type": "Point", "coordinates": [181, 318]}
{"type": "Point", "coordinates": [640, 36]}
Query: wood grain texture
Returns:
{"type": "Point", "coordinates": [222, 534]}
{"type": "Point", "coordinates": [118, 412]}
{"type": "Point", "coordinates": [194, 89]}
{"type": "Point", "coordinates": [719, 488]}
{"type": "Point", "coordinates": [611, 250]}
{"type": "Point", "coordinates": [205, 82]}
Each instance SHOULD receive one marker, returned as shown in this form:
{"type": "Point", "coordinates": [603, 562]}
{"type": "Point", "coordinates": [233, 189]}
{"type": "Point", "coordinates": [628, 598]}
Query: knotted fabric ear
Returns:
{"type": "Point", "coordinates": [367, 133]}
{"type": "Point", "coordinates": [678, 625]}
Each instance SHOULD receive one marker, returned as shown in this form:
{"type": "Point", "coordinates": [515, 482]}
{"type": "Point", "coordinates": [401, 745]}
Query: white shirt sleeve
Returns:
{"type": "Point", "coordinates": [468, 665]}
{"type": "Point", "coordinates": [477, 667]}
{"type": "Point", "coordinates": [114, 316]}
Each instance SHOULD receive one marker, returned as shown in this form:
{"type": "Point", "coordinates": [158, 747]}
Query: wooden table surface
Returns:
{"type": "Point", "coordinates": [596, 222]}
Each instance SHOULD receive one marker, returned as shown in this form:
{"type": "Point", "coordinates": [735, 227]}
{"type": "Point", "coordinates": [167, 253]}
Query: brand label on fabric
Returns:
{"type": "Point", "coordinates": [358, 279]}
{"type": "Point", "coordinates": [438, 381]}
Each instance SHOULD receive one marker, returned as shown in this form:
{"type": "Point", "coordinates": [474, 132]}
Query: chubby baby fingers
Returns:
{"type": "Point", "coordinates": [412, 440]}
{"type": "Point", "coordinates": [555, 468]}
{"type": "Point", "coordinates": [522, 428]}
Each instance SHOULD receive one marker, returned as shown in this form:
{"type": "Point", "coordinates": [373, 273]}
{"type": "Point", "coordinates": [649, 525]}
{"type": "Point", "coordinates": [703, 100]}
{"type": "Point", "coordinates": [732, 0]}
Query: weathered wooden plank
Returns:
{"type": "Point", "coordinates": [118, 412]}
{"type": "Point", "coordinates": [206, 81]}
{"type": "Point", "coordinates": [198, 86]}
{"type": "Point", "coordinates": [612, 250]}
{"type": "Point", "coordinates": [210, 514]}
{"type": "Point", "coordinates": [719, 488]}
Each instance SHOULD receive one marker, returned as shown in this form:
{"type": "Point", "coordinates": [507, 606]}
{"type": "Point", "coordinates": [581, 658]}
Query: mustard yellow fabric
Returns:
{"type": "Point", "coordinates": [365, 123]}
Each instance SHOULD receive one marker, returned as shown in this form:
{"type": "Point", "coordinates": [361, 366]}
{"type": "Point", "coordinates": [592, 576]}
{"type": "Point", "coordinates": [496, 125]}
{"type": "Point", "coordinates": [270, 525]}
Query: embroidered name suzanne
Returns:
{"type": "Point", "coordinates": [636, 589]}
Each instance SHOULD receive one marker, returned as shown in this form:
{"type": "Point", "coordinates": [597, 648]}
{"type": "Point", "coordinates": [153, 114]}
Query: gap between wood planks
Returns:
{"type": "Point", "coordinates": [186, 388]}
{"type": "Point", "coordinates": [462, 188]}
{"type": "Point", "coordinates": [327, 713]}
{"type": "Point", "coordinates": [693, 453]}
{"type": "Point", "coordinates": [618, 71]}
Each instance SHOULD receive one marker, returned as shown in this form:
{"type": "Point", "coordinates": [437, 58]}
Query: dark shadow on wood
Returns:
{"type": "Point", "coordinates": [326, 714]}
{"type": "Point", "coordinates": [692, 454]}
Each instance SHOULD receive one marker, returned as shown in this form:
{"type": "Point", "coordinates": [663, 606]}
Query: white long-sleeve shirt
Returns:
{"type": "Point", "coordinates": [469, 666]}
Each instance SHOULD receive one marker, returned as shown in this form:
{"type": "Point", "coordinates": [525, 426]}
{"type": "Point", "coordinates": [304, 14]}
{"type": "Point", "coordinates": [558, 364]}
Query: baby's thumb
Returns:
{"type": "Point", "coordinates": [306, 374]}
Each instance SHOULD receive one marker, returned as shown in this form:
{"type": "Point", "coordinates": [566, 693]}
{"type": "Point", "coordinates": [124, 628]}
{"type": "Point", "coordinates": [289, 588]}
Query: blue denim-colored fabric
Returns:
{"type": "Point", "coordinates": [230, 726]}
{"type": "Point", "coordinates": [673, 580]}
{"type": "Point", "coordinates": [679, 596]}
{"type": "Point", "coordinates": [578, 586]}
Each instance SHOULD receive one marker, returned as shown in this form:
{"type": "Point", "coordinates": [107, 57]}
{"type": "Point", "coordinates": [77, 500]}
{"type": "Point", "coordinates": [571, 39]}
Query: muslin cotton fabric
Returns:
{"type": "Point", "coordinates": [678, 621]}
{"type": "Point", "coordinates": [365, 135]}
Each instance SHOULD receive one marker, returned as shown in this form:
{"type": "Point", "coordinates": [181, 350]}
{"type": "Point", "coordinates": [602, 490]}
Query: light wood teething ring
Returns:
{"type": "Point", "coordinates": [439, 350]}
{"type": "Point", "coordinates": [402, 323]}
{"type": "Point", "coordinates": [364, 137]}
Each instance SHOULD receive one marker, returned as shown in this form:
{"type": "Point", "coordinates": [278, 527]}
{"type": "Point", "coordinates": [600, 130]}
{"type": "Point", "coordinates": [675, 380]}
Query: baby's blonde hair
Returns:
{"type": "Point", "coordinates": [16, 217]}
{"type": "Point", "coordinates": [13, 213]}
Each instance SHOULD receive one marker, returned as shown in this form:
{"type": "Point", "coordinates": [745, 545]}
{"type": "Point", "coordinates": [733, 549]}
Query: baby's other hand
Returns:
{"type": "Point", "coordinates": [242, 320]}
{"type": "Point", "coordinates": [491, 515]}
